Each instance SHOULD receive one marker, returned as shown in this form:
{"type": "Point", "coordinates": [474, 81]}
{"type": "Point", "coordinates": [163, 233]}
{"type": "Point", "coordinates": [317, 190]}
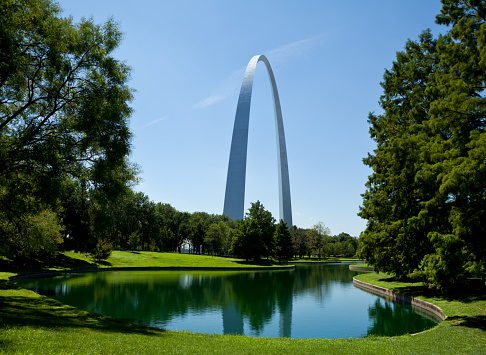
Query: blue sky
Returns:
{"type": "Point", "coordinates": [188, 59]}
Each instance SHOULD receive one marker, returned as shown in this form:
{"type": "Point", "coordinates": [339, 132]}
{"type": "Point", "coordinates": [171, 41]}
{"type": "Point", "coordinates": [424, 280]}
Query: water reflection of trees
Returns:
{"type": "Point", "coordinates": [389, 319]}
{"type": "Point", "coordinates": [158, 297]}
{"type": "Point", "coordinates": [319, 279]}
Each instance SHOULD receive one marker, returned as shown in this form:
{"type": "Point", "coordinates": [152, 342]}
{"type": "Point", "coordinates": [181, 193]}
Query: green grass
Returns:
{"type": "Point", "coordinates": [34, 324]}
{"type": "Point", "coordinates": [72, 260]}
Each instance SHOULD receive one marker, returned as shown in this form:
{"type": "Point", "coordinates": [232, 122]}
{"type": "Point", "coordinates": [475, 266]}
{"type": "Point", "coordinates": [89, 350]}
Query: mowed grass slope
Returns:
{"type": "Point", "coordinates": [34, 324]}
{"type": "Point", "coordinates": [156, 259]}
{"type": "Point", "coordinates": [72, 260]}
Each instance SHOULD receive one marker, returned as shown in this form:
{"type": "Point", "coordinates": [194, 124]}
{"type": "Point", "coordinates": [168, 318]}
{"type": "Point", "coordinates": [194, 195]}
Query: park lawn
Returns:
{"type": "Point", "coordinates": [127, 258]}
{"type": "Point", "coordinates": [30, 323]}
{"type": "Point", "coordinates": [70, 260]}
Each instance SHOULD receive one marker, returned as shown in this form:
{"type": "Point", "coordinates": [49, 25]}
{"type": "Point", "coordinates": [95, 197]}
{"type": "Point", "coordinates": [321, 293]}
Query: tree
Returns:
{"type": "Point", "coordinates": [395, 240]}
{"type": "Point", "coordinates": [425, 201]}
{"type": "Point", "coordinates": [349, 244]}
{"type": "Point", "coordinates": [458, 121]}
{"type": "Point", "coordinates": [216, 237]}
{"type": "Point", "coordinates": [36, 236]}
{"type": "Point", "coordinates": [247, 240]}
{"type": "Point", "coordinates": [168, 221]}
{"type": "Point", "coordinates": [316, 243]}
{"type": "Point", "coordinates": [282, 241]}
{"type": "Point", "coordinates": [318, 236]}
{"type": "Point", "coordinates": [199, 225]}
{"type": "Point", "coordinates": [300, 241]}
{"type": "Point", "coordinates": [181, 227]}
{"type": "Point", "coordinates": [75, 216]}
{"type": "Point", "coordinates": [349, 250]}
{"type": "Point", "coordinates": [64, 110]}
{"type": "Point", "coordinates": [266, 223]}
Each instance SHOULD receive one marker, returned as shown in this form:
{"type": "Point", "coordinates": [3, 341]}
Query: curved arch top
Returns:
{"type": "Point", "coordinates": [235, 183]}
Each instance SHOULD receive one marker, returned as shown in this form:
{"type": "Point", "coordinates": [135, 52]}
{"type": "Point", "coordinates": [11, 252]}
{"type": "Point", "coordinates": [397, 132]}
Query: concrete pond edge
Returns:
{"type": "Point", "coordinates": [423, 308]}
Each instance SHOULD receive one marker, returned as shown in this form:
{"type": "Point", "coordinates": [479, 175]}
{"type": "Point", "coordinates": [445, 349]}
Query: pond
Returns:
{"type": "Point", "coordinates": [312, 301]}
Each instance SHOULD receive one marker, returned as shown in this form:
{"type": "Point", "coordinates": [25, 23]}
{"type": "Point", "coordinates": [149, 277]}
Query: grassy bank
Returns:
{"type": "Point", "coordinates": [30, 323]}
{"type": "Point", "coordinates": [72, 260]}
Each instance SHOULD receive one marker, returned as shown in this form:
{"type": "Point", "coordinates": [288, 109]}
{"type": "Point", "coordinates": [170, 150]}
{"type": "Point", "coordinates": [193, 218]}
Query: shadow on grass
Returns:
{"type": "Point", "coordinates": [104, 263]}
{"type": "Point", "coordinates": [60, 261]}
{"type": "Point", "coordinates": [38, 311]}
{"type": "Point", "coordinates": [478, 322]}
{"type": "Point", "coordinates": [258, 263]}
{"type": "Point", "coordinates": [472, 291]}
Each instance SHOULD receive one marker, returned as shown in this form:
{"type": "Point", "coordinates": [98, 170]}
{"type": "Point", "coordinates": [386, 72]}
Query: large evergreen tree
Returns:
{"type": "Point", "coordinates": [458, 123]}
{"type": "Point", "coordinates": [426, 199]}
{"type": "Point", "coordinates": [394, 240]}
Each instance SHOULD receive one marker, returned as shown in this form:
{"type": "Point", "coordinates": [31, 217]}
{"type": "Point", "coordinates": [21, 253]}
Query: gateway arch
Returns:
{"type": "Point", "coordinates": [235, 182]}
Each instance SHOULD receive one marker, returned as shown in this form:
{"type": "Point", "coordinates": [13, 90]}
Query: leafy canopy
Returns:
{"type": "Point", "coordinates": [425, 201]}
{"type": "Point", "coordinates": [63, 111]}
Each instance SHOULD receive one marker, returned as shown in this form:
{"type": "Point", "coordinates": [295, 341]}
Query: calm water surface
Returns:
{"type": "Point", "coordinates": [312, 301]}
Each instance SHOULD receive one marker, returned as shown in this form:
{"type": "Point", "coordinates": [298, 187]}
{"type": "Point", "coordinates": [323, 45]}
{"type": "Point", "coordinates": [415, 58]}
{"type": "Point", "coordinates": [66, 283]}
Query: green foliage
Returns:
{"type": "Point", "coordinates": [102, 250]}
{"type": "Point", "coordinates": [198, 226]}
{"type": "Point", "coordinates": [64, 116]}
{"type": "Point", "coordinates": [348, 250]}
{"type": "Point", "coordinates": [32, 236]}
{"type": "Point", "coordinates": [247, 240]}
{"type": "Point", "coordinates": [266, 223]}
{"type": "Point", "coordinates": [218, 238]}
{"type": "Point", "coordinates": [425, 201]}
{"type": "Point", "coordinates": [318, 238]}
{"type": "Point", "coordinates": [300, 241]}
{"type": "Point", "coordinates": [394, 239]}
{"type": "Point", "coordinates": [168, 221]}
{"type": "Point", "coordinates": [283, 242]}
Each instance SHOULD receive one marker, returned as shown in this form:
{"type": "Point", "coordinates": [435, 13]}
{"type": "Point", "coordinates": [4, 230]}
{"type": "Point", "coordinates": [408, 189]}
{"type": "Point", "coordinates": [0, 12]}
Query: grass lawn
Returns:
{"type": "Point", "coordinates": [72, 260]}
{"type": "Point", "coordinates": [34, 324]}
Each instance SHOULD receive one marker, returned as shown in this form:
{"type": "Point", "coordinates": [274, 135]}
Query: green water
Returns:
{"type": "Point", "coordinates": [312, 301]}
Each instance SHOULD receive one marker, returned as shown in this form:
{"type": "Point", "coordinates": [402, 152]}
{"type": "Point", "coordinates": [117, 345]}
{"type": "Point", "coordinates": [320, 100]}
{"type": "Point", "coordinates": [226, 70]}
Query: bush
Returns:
{"type": "Point", "coordinates": [102, 250]}
{"type": "Point", "coordinates": [33, 236]}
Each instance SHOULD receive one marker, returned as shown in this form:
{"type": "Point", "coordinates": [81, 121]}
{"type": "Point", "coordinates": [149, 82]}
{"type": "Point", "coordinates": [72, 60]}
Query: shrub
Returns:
{"type": "Point", "coordinates": [102, 250]}
{"type": "Point", "coordinates": [32, 236]}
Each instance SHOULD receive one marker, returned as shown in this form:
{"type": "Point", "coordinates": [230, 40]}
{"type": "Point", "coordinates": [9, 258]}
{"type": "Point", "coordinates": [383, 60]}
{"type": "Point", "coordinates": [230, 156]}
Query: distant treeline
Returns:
{"type": "Point", "coordinates": [134, 222]}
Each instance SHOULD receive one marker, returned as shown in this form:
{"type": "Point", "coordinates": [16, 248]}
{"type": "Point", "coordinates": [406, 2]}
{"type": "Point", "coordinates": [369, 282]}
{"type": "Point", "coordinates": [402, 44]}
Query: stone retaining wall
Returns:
{"type": "Point", "coordinates": [427, 309]}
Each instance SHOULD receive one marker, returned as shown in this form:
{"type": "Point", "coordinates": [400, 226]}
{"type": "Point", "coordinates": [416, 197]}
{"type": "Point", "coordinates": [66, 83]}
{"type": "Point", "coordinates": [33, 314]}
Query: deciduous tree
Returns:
{"type": "Point", "coordinates": [266, 223]}
{"type": "Point", "coordinates": [63, 109]}
{"type": "Point", "coordinates": [282, 242]}
{"type": "Point", "coordinates": [247, 240]}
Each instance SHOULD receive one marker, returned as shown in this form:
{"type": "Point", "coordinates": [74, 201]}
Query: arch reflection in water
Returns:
{"type": "Point", "coordinates": [317, 301]}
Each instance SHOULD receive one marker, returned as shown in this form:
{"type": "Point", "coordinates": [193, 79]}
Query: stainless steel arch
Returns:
{"type": "Point", "coordinates": [235, 183]}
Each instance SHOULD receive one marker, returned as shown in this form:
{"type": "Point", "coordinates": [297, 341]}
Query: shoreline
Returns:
{"type": "Point", "coordinates": [42, 274]}
{"type": "Point", "coordinates": [427, 309]}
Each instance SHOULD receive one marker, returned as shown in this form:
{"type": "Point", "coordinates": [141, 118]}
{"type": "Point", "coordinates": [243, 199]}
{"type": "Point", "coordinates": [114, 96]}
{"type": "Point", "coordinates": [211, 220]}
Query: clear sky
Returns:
{"type": "Point", "coordinates": [188, 59]}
